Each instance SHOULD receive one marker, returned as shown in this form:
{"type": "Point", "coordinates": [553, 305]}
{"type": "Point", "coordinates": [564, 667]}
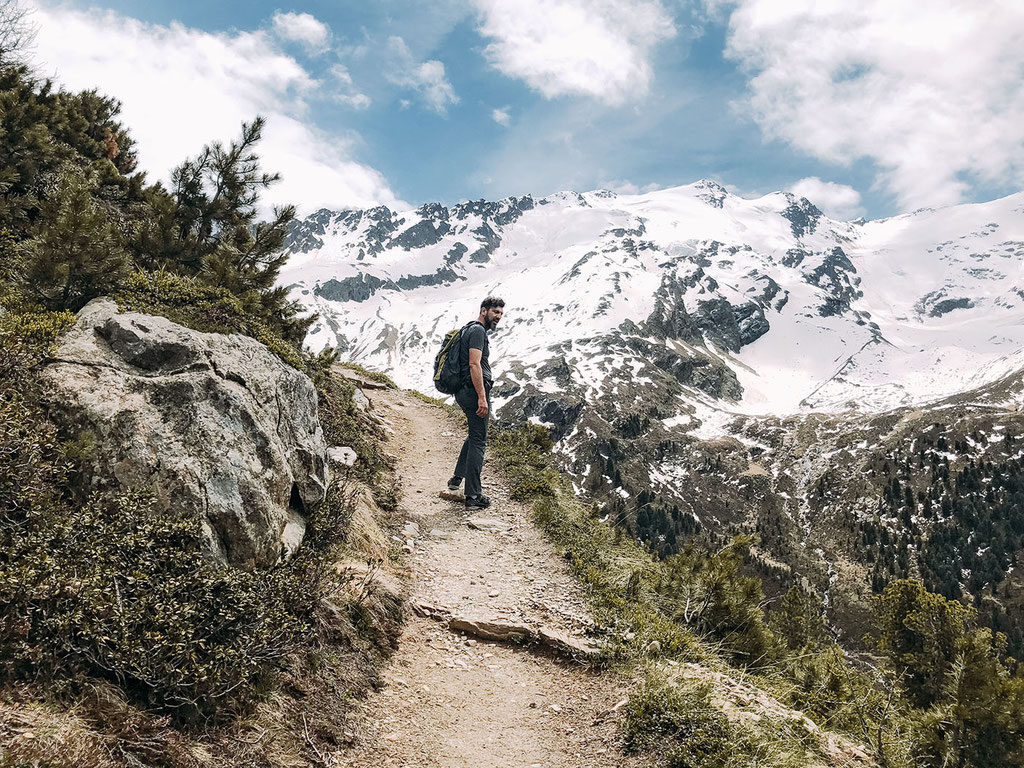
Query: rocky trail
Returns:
{"type": "Point", "coordinates": [451, 699]}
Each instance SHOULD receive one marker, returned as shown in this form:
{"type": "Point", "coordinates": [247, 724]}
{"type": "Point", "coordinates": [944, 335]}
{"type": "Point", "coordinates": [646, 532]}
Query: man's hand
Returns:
{"type": "Point", "coordinates": [481, 407]}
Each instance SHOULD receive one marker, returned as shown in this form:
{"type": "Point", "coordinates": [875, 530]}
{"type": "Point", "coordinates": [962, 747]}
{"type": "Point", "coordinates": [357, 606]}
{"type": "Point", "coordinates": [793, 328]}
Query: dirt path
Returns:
{"type": "Point", "coordinates": [450, 700]}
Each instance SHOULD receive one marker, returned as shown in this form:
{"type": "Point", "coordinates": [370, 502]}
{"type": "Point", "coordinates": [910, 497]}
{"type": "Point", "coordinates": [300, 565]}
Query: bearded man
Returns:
{"type": "Point", "coordinates": [474, 398]}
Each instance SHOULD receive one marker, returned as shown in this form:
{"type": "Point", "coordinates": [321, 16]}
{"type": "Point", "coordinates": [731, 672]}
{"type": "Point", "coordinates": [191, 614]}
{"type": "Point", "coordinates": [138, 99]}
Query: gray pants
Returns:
{"type": "Point", "coordinates": [471, 459]}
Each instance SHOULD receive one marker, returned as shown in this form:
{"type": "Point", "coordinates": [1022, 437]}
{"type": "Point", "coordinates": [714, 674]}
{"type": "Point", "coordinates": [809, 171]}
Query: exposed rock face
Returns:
{"type": "Point", "coordinates": [212, 424]}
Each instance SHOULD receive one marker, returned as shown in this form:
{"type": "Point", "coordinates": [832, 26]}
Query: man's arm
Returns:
{"type": "Point", "coordinates": [476, 373]}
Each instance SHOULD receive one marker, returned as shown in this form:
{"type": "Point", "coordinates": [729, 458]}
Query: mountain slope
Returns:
{"type": "Point", "coordinates": [710, 364]}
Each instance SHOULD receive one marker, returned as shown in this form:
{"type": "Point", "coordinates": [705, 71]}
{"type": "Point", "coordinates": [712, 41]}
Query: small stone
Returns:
{"type": "Point", "coordinates": [343, 455]}
{"type": "Point", "coordinates": [493, 593]}
{"type": "Point", "coordinates": [489, 524]}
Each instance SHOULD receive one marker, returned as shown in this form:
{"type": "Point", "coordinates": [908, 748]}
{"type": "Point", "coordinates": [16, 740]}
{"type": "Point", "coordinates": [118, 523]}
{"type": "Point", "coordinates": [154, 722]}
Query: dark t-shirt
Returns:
{"type": "Point", "coordinates": [475, 337]}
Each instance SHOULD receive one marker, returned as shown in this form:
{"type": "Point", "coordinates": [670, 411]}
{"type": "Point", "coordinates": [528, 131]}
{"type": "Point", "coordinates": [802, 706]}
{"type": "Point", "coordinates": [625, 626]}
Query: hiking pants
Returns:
{"type": "Point", "coordinates": [471, 459]}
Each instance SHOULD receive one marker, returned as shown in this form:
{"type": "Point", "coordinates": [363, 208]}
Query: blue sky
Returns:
{"type": "Point", "coordinates": [867, 108]}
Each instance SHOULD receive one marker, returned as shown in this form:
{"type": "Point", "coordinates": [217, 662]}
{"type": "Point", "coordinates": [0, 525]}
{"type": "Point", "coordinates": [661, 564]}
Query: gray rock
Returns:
{"type": "Point", "coordinates": [948, 305]}
{"type": "Point", "coordinates": [212, 424]}
{"type": "Point", "coordinates": [356, 288]}
{"type": "Point", "coordinates": [489, 524]}
{"type": "Point", "coordinates": [802, 214]}
{"type": "Point", "coordinates": [360, 399]}
{"type": "Point", "coordinates": [343, 455]}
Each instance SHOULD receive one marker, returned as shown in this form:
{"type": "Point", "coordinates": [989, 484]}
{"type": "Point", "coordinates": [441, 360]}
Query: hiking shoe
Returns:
{"type": "Point", "coordinates": [454, 483]}
{"type": "Point", "coordinates": [477, 502]}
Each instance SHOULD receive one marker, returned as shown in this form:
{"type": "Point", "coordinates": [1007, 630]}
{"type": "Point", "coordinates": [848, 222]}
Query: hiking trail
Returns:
{"type": "Point", "coordinates": [451, 700]}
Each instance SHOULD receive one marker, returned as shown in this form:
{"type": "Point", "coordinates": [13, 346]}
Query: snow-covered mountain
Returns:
{"type": "Point", "coordinates": [794, 310]}
{"type": "Point", "coordinates": [712, 363]}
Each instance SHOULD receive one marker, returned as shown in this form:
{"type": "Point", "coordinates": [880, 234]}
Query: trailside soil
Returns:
{"type": "Point", "coordinates": [449, 700]}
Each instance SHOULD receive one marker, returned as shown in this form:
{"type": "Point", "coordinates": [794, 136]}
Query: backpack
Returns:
{"type": "Point", "coordinates": [448, 376]}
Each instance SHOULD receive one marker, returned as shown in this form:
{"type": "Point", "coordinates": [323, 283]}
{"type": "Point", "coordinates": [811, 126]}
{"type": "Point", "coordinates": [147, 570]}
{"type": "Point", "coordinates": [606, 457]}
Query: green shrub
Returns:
{"type": "Point", "coordinates": [523, 455]}
{"type": "Point", "coordinates": [969, 701]}
{"type": "Point", "coordinates": [33, 328]}
{"type": "Point", "coordinates": [109, 588]}
{"type": "Point", "coordinates": [32, 470]}
{"type": "Point", "coordinates": [75, 252]}
{"type": "Point", "coordinates": [710, 593]}
{"type": "Point", "coordinates": [678, 720]}
{"type": "Point", "coordinates": [800, 618]}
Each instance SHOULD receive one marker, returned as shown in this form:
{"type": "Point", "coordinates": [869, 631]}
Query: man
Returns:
{"type": "Point", "coordinates": [474, 398]}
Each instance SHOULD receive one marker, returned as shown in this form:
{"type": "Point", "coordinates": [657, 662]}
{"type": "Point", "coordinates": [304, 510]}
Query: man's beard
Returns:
{"type": "Point", "coordinates": [490, 323]}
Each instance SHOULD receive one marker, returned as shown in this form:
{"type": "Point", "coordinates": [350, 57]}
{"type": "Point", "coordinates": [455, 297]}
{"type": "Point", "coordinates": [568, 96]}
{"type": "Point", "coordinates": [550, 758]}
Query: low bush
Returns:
{"type": "Point", "coordinates": [105, 587]}
{"type": "Point", "coordinates": [190, 302]}
{"type": "Point", "coordinates": [523, 453]}
{"type": "Point", "coordinates": [678, 720]}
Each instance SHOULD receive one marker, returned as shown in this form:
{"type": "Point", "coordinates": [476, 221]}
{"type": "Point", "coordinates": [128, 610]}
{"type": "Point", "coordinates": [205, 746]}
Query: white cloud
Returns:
{"type": "Point", "coordinates": [182, 88]}
{"type": "Point", "coordinates": [627, 187]}
{"type": "Point", "coordinates": [427, 77]}
{"type": "Point", "coordinates": [349, 95]}
{"type": "Point", "coordinates": [930, 92]}
{"type": "Point", "coordinates": [595, 48]}
{"type": "Point", "coordinates": [837, 201]}
{"type": "Point", "coordinates": [501, 116]}
{"type": "Point", "coordinates": [302, 28]}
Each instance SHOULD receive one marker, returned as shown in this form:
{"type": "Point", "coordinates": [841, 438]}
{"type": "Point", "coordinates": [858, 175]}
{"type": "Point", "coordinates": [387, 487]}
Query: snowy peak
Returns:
{"type": "Point", "coordinates": [804, 312]}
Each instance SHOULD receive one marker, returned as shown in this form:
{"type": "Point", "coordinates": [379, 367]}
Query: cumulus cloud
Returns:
{"type": "Point", "coordinates": [182, 88]}
{"type": "Point", "coordinates": [501, 116]}
{"type": "Point", "coordinates": [303, 28]}
{"type": "Point", "coordinates": [427, 77]}
{"type": "Point", "coordinates": [930, 92]}
{"type": "Point", "coordinates": [594, 48]}
{"type": "Point", "coordinates": [837, 201]}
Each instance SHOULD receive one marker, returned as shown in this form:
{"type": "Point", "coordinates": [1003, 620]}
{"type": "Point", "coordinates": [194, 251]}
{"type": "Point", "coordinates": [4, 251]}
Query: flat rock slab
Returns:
{"type": "Point", "coordinates": [364, 383]}
{"type": "Point", "coordinates": [507, 632]}
{"type": "Point", "coordinates": [490, 524]}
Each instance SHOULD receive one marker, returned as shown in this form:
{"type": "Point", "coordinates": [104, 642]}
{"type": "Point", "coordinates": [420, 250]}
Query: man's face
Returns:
{"type": "Point", "coordinates": [491, 317]}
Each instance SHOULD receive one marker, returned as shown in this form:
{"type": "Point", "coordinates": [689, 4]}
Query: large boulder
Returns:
{"type": "Point", "coordinates": [212, 424]}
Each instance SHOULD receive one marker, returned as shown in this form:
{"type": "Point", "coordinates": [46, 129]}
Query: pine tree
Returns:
{"type": "Point", "coordinates": [75, 254]}
{"type": "Point", "coordinates": [799, 619]}
{"type": "Point", "coordinates": [213, 229]}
